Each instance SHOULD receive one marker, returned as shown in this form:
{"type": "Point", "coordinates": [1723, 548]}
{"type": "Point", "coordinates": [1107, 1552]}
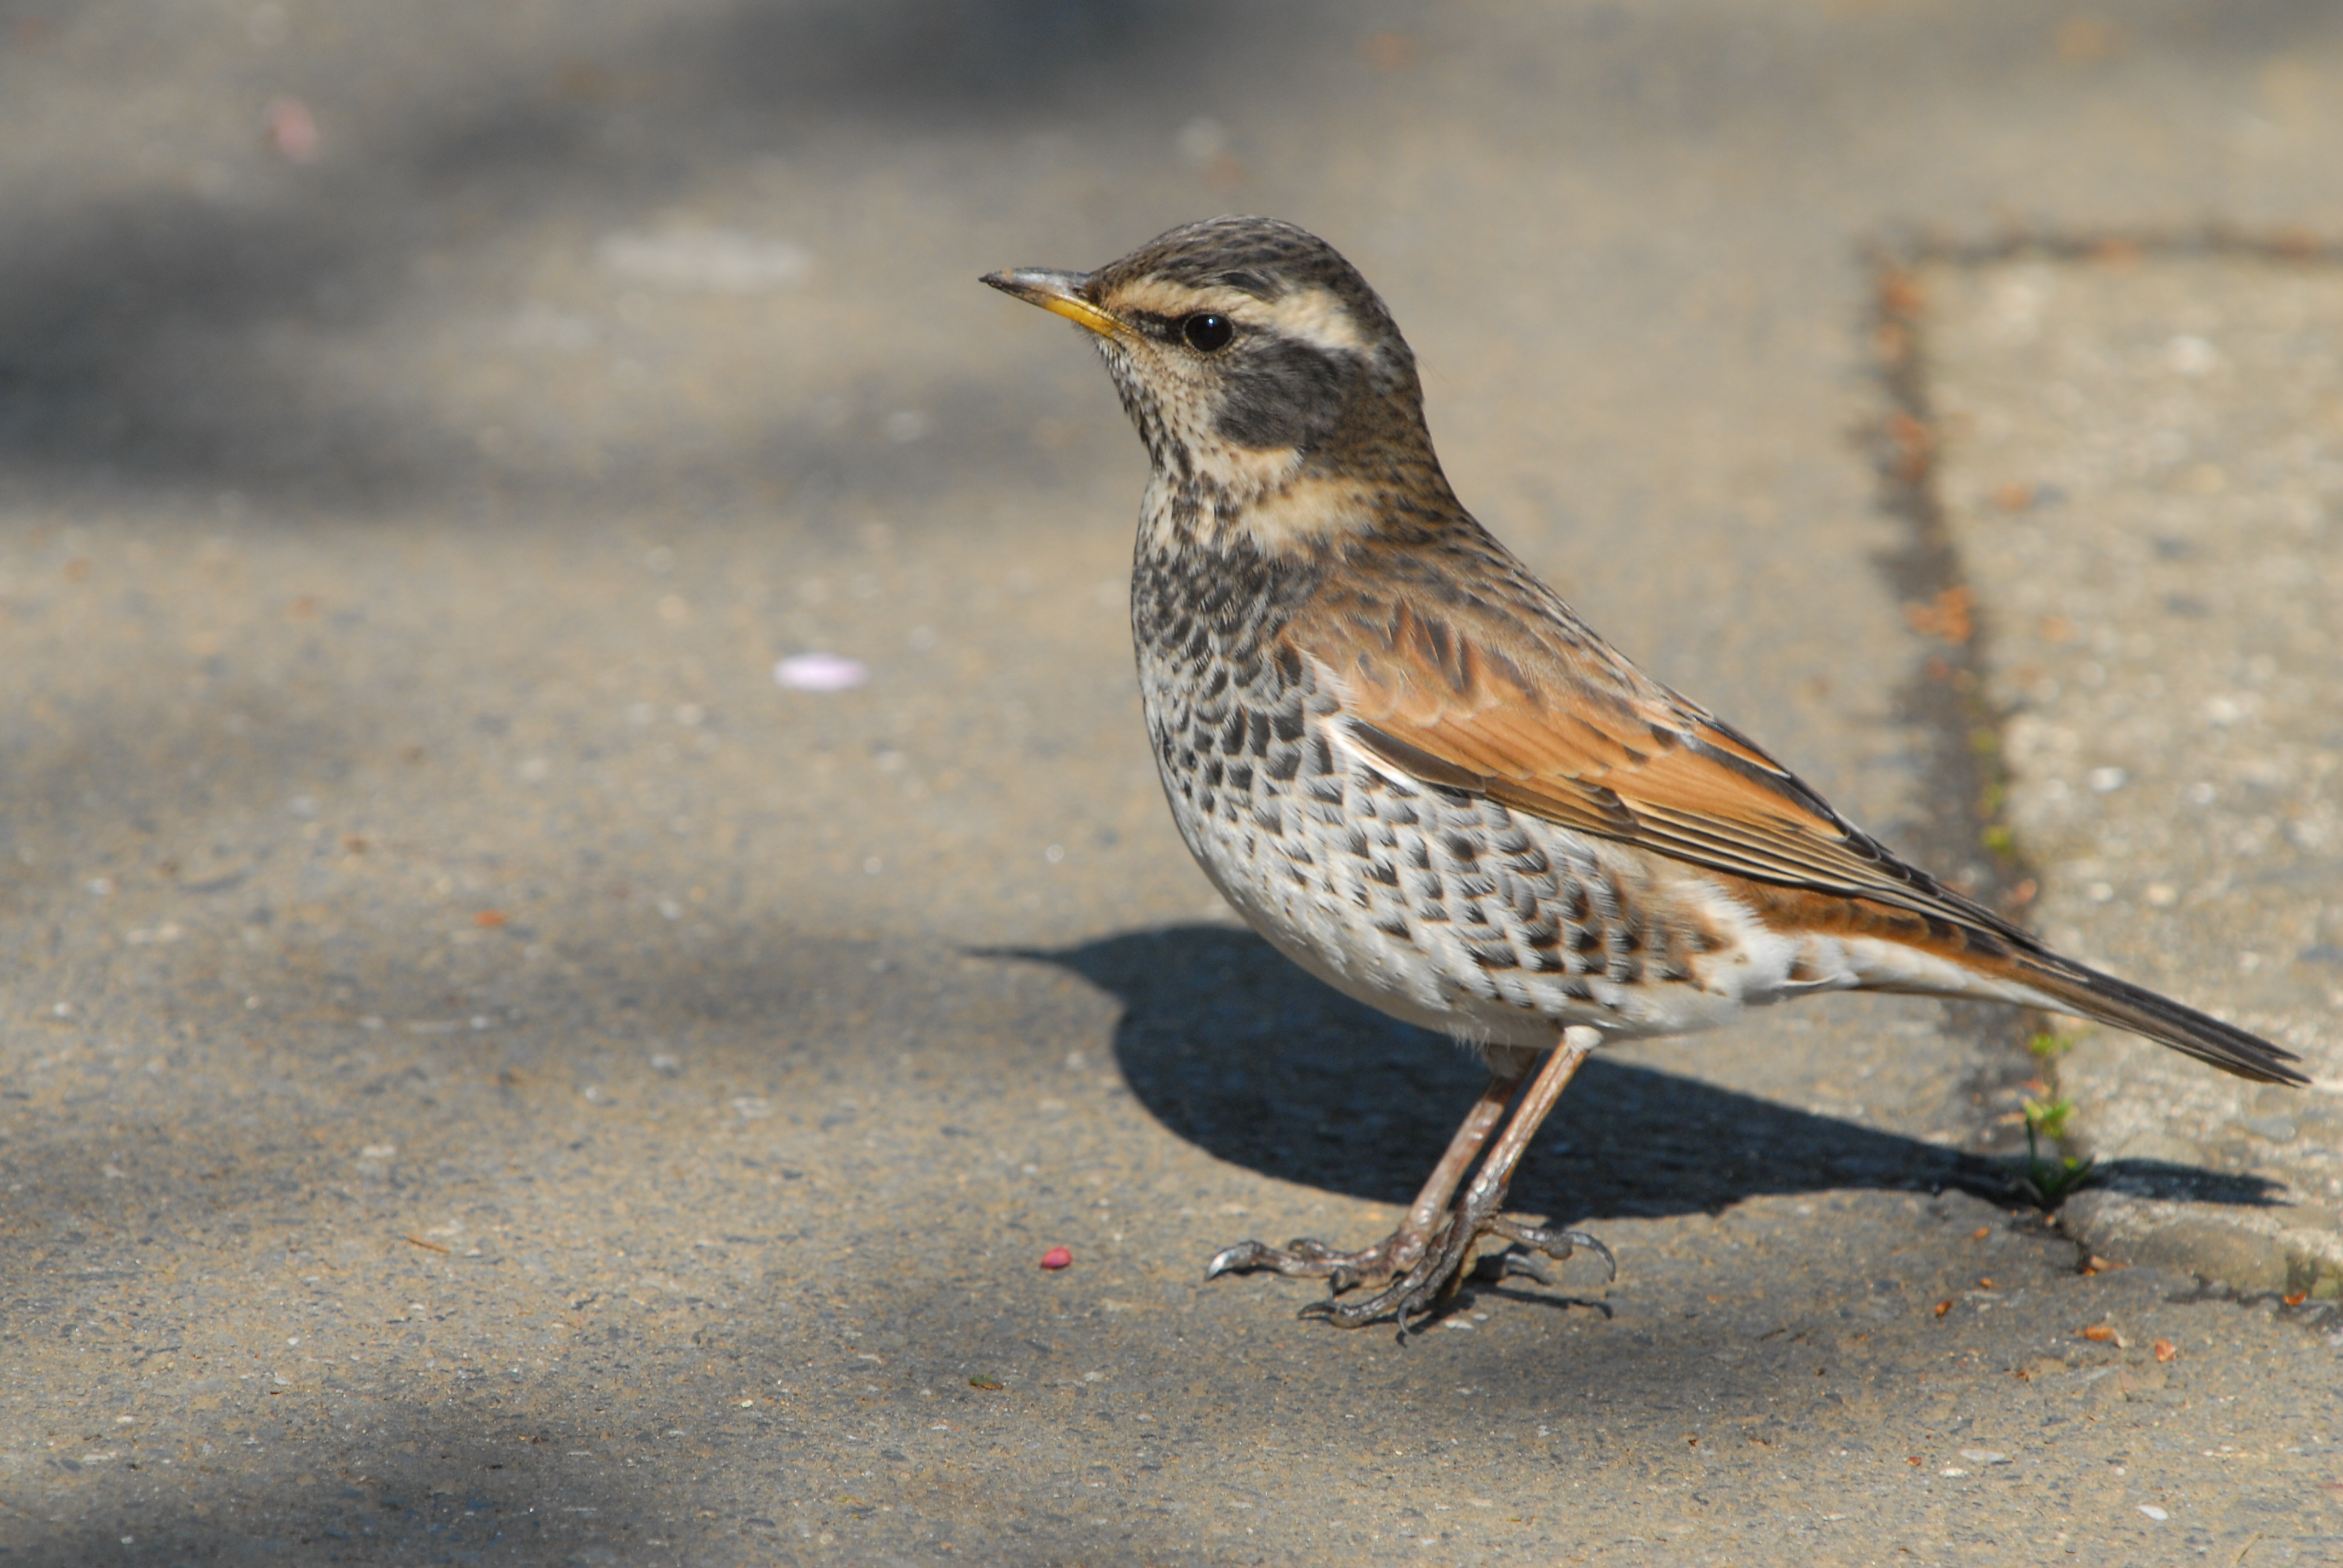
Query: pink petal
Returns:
{"type": "Point", "coordinates": [293, 130]}
{"type": "Point", "coordinates": [820, 672]}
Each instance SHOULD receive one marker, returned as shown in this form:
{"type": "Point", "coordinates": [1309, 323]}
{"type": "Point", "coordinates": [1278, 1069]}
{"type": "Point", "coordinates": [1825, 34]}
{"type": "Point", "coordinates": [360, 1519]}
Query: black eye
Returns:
{"type": "Point", "coordinates": [1206, 333]}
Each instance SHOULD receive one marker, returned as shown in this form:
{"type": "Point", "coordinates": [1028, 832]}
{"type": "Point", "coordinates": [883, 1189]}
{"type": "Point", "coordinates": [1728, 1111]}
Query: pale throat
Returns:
{"type": "Point", "coordinates": [1233, 497]}
{"type": "Point", "coordinates": [1206, 489]}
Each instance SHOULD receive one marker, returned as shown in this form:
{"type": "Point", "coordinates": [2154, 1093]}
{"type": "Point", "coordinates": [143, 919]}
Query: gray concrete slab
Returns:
{"type": "Point", "coordinates": [2143, 470]}
{"type": "Point", "coordinates": [491, 1074]}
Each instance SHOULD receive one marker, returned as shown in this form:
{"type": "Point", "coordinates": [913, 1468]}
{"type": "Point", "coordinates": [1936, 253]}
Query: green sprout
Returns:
{"type": "Point", "coordinates": [2048, 1047]}
{"type": "Point", "coordinates": [2051, 1181]}
{"type": "Point", "coordinates": [2048, 1118]}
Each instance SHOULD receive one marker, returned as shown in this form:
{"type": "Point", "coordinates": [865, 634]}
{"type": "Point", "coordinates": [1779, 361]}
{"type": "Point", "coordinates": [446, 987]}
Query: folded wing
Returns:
{"type": "Point", "coordinates": [1516, 701]}
{"type": "Point", "coordinates": [1535, 713]}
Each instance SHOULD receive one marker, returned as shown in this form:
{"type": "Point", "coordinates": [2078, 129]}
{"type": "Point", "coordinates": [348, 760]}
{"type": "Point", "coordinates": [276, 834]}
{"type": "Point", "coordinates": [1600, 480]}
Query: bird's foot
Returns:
{"type": "Point", "coordinates": [1436, 1275]}
{"type": "Point", "coordinates": [1528, 1240]}
{"type": "Point", "coordinates": [1310, 1259]}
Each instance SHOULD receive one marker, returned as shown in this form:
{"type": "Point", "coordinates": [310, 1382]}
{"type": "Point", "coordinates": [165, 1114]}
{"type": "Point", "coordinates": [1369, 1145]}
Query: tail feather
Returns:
{"type": "Point", "coordinates": [2077, 989]}
{"type": "Point", "coordinates": [1964, 950]}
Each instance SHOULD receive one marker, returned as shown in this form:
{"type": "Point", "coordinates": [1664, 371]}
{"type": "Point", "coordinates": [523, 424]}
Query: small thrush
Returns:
{"type": "Point", "coordinates": [1421, 777]}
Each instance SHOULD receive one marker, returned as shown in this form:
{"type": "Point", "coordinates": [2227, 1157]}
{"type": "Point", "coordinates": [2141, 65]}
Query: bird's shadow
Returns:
{"type": "Point", "coordinates": [1234, 1048]}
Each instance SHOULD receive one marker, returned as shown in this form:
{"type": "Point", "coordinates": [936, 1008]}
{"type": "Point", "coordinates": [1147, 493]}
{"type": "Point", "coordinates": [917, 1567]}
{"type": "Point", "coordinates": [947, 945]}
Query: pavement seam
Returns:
{"type": "Point", "coordinates": [1947, 699]}
{"type": "Point", "coordinates": [1960, 830]}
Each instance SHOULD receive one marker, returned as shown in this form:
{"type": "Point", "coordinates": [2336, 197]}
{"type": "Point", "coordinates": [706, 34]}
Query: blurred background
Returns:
{"type": "Point", "coordinates": [439, 929]}
{"type": "Point", "coordinates": [679, 299]}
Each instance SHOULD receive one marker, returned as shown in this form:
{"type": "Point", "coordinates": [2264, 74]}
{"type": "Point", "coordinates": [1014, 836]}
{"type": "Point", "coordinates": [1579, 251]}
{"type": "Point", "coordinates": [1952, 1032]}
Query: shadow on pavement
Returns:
{"type": "Point", "coordinates": [1229, 1046]}
{"type": "Point", "coordinates": [950, 63]}
{"type": "Point", "coordinates": [182, 331]}
{"type": "Point", "coordinates": [2169, 1180]}
{"type": "Point", "coordinates": [171, 337]}
{"type": "Point", "coordinates": [426, 1480]}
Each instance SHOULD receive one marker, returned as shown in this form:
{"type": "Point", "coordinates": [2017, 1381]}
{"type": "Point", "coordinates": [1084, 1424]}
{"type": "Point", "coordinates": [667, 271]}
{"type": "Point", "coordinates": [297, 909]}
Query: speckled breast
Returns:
{"type": "Point", "coordinates": [1445, 909]}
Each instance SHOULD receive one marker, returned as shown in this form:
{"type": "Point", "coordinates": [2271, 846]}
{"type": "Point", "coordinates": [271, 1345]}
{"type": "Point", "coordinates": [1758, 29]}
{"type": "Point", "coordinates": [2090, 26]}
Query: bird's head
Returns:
{"type": "Point", "coordinates": [1267, 381]}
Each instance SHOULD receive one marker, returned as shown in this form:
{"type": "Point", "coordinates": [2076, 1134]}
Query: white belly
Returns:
{"type": "Point", "coordinates": [1461, 916]}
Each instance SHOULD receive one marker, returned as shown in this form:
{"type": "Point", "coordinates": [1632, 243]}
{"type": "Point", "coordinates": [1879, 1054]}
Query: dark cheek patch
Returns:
{"type": "Point", "coordinates": [1284, 394]}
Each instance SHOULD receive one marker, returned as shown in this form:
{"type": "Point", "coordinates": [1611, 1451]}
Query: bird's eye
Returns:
{"type": "Point", "coordinates": [1206, 332]}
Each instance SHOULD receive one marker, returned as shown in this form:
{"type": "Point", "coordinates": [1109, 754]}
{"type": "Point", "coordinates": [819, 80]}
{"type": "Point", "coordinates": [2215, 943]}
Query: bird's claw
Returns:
{"type": "Point", "coordinates": [1438, 1273]}
{"type": "Point", "coordinates": [1506, 1265]}
{"type": "Point", "coordinates": [1240, 1259]}
{"type": "Point", "coordinates": [1303, 1256]}
{"type": "Point", "coordinates": [1554, 1243]}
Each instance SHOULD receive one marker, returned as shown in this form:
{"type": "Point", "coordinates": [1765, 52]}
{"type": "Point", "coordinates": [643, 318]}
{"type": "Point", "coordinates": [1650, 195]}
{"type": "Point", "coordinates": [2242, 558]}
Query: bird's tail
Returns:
{"type": "Point", "coordinates": [2069, 986]}
{"type": "Point", "coordinates": [1948, 946]}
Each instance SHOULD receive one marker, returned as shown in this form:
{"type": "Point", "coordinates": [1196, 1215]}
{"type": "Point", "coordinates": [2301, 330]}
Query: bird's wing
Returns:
{"type": "Point", "coordinates": [1515, 699]}
{"type": "Point", "coordinates": [1510, 696]}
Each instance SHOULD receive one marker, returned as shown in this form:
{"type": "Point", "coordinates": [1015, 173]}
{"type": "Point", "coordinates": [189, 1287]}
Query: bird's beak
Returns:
{"type": "Point", "coordinates": [1058, 292]}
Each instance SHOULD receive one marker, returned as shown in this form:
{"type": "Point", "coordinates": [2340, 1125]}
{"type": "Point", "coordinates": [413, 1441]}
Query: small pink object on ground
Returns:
{"type": "Point", "coordinates": [820, 672]}
{"type": "Point", "coordinates": [1058, 1258]}
{"type": "Point", "coordinates": [293, 130]}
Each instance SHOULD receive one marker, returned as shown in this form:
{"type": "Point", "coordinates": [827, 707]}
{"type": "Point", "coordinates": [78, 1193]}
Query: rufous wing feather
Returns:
{"type": "Point", "coordinates": [1524, 706]}
{"type": "Point", "coordinates": [1537, 714]}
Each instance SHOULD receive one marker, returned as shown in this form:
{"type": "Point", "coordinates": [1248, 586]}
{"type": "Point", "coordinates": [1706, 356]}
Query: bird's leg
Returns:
{"type": "Point", "coordinates": [1435, 1273]}
{"type": "Point", "coordinates": [1403, 1248]}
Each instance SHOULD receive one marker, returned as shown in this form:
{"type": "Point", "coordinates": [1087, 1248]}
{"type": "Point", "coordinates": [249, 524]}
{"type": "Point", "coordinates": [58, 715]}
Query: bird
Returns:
{"type": "Point", "coordinates": [1418, 773]}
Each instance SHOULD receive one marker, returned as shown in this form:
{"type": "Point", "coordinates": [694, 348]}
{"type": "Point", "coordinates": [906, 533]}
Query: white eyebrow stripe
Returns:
{"type": "Point", "coordinates": [1313, 315]}
{"type": "Point", "coordinates": [1160, 296]}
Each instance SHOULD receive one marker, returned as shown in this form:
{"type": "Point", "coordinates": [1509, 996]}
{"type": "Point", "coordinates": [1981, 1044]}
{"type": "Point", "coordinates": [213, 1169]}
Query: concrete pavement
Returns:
{"type": "Point", "coordinates": [2141, 467]}
{"type": "Point", "coordinates": [491, 1075]}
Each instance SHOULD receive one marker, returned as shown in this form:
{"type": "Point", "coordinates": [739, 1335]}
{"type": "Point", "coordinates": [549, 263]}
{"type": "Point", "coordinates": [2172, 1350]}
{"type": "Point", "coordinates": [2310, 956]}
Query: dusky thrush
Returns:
{"type": "Point", "coordinates": [1421, 777]}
